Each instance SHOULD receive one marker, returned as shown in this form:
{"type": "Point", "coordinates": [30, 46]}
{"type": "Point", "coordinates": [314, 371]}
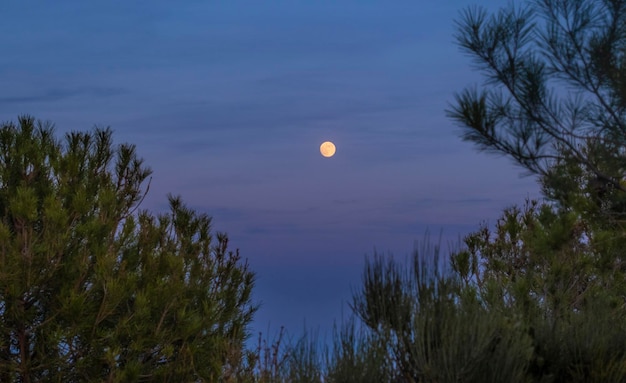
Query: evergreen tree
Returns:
{"type": "Point", "coordinates": [555, 99]}
{"type": "Point", "coordinates": [94, 289]}
{"type": "Point", "coordinates": [555, 103]}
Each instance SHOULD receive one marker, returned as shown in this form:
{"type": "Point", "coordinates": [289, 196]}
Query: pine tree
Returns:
{"type": "Point", "coordinates": [92, 288]}
{"type": "Point", "coordinates": [555, 96]}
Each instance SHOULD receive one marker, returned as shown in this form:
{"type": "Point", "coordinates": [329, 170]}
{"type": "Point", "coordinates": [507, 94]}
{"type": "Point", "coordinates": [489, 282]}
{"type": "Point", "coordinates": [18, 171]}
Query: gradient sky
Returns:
{"type": "Point", "coordinates": [228, 103]}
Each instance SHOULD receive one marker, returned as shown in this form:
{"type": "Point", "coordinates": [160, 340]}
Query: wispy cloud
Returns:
{"type": "Point", "coordinates": [59, 94]}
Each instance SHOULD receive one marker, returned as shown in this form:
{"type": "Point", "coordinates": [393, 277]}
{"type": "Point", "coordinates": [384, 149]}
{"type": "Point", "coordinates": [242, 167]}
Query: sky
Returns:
{"type": "Point", "coordinates": [228, 103]}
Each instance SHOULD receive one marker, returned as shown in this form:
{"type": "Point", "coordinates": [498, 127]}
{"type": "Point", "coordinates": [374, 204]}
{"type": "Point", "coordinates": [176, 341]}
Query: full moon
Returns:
{"type": "Point", "coordinates": [327, 149]}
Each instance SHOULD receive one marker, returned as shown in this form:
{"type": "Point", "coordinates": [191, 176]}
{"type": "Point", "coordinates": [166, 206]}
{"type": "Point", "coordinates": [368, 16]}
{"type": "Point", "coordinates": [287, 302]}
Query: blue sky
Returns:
{"type": "Point", "coordinates": [228, 103]}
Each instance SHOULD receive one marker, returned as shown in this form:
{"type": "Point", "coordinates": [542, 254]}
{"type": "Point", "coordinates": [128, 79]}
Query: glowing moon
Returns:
{"type": "Point", "coordinates": [327, 149]}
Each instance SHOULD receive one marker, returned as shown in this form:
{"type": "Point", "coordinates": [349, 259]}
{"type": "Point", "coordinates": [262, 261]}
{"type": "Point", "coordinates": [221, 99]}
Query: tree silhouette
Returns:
{"type": "Point", "coordinates": [556, 89]}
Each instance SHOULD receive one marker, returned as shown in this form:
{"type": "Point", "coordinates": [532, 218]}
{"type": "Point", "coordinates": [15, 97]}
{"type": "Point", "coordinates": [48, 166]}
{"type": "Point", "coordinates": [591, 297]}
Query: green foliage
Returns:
{"type": "Point", "coordinates": [524, 303]}
{"type": "Point", "coordinates": [538, 267]}
{"type": "Point", "coordinates": [435, 329]}
{"type": "Point", "coordinates": [92, 289]}
{"type": "Point", "coordinates": [358, 356]}
{"type": "Point", "coordinates": [554, 103]}
{"type": "Point", "coordinates": [304, 361]}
